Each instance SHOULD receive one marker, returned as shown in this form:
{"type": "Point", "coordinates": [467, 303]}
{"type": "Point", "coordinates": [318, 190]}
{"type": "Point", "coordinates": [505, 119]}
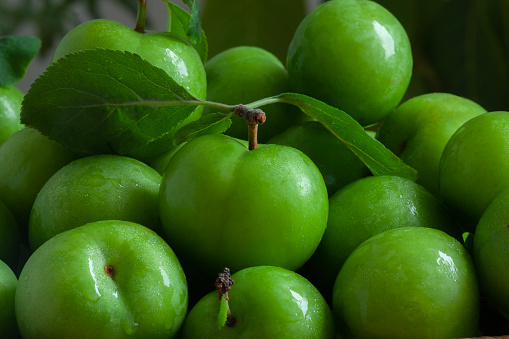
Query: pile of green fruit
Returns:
{"type": "Point", "coordinates": [149, 191]}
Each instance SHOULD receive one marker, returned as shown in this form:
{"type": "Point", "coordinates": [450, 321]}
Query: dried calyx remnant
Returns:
{"type": "Point", "coordinates": [223, 284]}
{"type": "Point", "coordinates": [109, 270]}
{"type": "Point", "coordinates": [254, 117]}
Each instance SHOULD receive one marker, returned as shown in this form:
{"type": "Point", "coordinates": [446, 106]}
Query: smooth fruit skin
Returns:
{"type": "Point", "coordinates": [244, 74]}
{"type": "Point", "coordinates": [9, 237]}
{"type": "Point", "coordinates": [411, 282]}
{"type": "Point", "coordinates": [99, 187]}
{"type": "Point", "coordinates": [338, 164]}
{"type": "Point", "coordinates": [28, 159]}
{"type": "Point", "coordinates": [222, 205]}
{"type": "Point", "coordinates": [164, 50]}
{"type": "Point", "coordinates": [266, 302]}
{"type": "Point", "coordinates": [10, 108]}
{"type": "Point", "coordinates": [368, 207]}
{"type": "Point", "coordinates": [353, 55]}
{"type": "Point", "coordinates": [474, 167]}
{"type": "Point", "coordinates": [8, 283]}
{"type": "Point", "coordinates": [64, 291]}
{"type": "Point", "coordinates": [491, 252]}
{"type": "Point", "coordinates": [418, 130]}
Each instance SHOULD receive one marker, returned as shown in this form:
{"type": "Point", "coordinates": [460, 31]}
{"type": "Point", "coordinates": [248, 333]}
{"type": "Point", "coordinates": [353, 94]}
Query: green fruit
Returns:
{"type": "Point", "coordinates": [266, 24]}
{"type": "Point", "coordinates": [28, 160]}
{"type": "Point", "coordinates": [8, 282]}
{"type": "Point", "coordinates": [9, 237]}
{"type": "Point", "coordinates": [107, 279]}
{"type": "Point", "coordinates": [223, 205]}
{"type": "Point", "coordinates": [266, 302]}
{"type": "Point", "coordinates": [367, 207]}
{"type": "Point", "coordinates": [491, 251]}
{"type": "Point", "coordinates": [160, 162]}
{"type": "Point", "coordinates": [474, 168]}
{"type": "Point", "coordinates": [244, 74]}
{"type": "Point", "coordinates": [418, 130]}
{"type": "Point", "coordinates": [353, 55]}
{"type": "Point", "coordinates": [10, 107]}
{"type": "Point", "coordinates": [164, 50]}
{"type": "Point", "coordinates": [100, 187]}
{"type": "Point", "coordinates": [411, 282]}
{"type": "Point", "coordinates": [337, 163]}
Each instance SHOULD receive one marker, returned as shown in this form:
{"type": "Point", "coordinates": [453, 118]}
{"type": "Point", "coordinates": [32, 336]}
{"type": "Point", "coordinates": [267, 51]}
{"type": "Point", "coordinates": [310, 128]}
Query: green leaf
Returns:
{"type": "Point", "coordinates": [213, 123]}
{"type": "Point", "coordinates": [179, 22]}
{"type": "Point", "coordinates": [105, 101]}
{"type": "Point", "coordinates": [16, 53]}
{"type": "Point", "coordinates": [223, 313]}
{"type": "Point", "coordinates": [379, 159]}
{"type": "Point", "coordinates": [195, 22]}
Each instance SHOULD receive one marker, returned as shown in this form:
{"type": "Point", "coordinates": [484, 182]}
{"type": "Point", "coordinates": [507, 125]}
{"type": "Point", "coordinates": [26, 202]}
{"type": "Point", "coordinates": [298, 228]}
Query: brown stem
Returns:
{"type": "Point", "coordinates": [223, 284]}
{"type": "Point", "coordinates": [254, 117]}
{"type": "Point", "coordinates": [140, 20]}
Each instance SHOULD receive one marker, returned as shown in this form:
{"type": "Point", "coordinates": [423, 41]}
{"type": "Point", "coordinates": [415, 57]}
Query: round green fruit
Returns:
{"type": "Point", "coordinates": [99, 187]}
{"type": "Point", "coordinates": [10, 108]}
{"type": "Point", "coordinates": [244, 74]}
{"type": "Point", "coordinates": [164, 50]}
{"type": "Point", "coordinates": [353, 55]}
{"type": "Point", "coordinates": [265, 302]}
{"type": "Point", "coordinates": [411, 282]}
{"type": "Point", "coordinates": [474, 167]}
{"type": "Point", "coordinates": [107, 279]}
{"type": "Point", "coordinates": [222, 205]}
{"type": "Point", "coordinates": [8, 283]}
{"type": "Point", "coordinates": [9, 237]}
{"type": "Point", "coordinates": [337, 163]}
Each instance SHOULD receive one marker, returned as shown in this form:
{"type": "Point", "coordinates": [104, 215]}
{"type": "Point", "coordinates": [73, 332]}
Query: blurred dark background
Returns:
{"type": "Point", "coordinates": [459, 46]}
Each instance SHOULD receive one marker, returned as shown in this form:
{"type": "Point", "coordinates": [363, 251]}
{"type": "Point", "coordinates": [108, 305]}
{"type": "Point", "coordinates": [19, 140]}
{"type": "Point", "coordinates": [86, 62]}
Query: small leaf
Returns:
{"type": "Point", "coordinates": [213, 123]}
{"type": "Point", "coordinates": [379, 159]}
{"type": "Point", "coordinates": [179, 24]}
{"type": "Point", "coordinates": [105, 101]}
{"type": "Point", "coordinates": [16, 53]}
{"type": "Point", "coordinates": [195, 22]}
{"type": "Point", "coordinates": [223, 314]}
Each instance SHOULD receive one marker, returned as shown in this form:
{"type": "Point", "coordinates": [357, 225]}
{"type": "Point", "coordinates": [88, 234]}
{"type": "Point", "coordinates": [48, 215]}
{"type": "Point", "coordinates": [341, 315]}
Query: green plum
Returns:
{"type": "Point", "coordinates": [337, 163]}
{"type": "Point", "coordinates": [266, 302]}
{"type": "Point", "coordinates": [353, 55]}
{"type": "Point", "coordinates": [164, 50]}
{"type": "Point", "coordinates": [243, 74]}
{"type": "Point", "coordinates": [224, 205]}
{"type": "Point", "coordinates": [10, 107]}
{"type": "Point", "coordinates": [491, 252]}
{"type": "Point", "coordinates": [418, 130]}
{"type": "Point", "coordinates": [8, 283]}
{"type": "Point", "coordinates": [160, 162]}
{"type": "Point", "coordinates": [28, 160]}
{"type": "Point", "coordinates": [410, 282]}
{"type": "Point", "coordinates": [106, 279]}
{"type": "Point", "coordinates": [474, 167]}
{"type": "Point", "coordinates": [368, 207]}
{"type": "Point", "coordinates": [9, 237]}
{"type": "Point", "coordinates": [99, 187]}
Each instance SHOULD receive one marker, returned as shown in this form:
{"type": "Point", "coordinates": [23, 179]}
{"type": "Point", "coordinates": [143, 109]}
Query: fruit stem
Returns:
{"type": "Point", "coordinates": [254, 117]}
{"type": "Point", "coordinates": [140, 20]}
{"type": "Point", "coordinates": [224, 283]}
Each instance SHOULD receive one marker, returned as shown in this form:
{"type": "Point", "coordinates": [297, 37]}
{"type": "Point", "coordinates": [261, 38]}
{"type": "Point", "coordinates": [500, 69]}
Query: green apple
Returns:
{"type": "Point", "coordinates": [265, 302]}
{"type": "Point", "coordinates": [8, 283]}
{"type": "Point", "coordinates": [368, 207]}
{"type": "Point", "coordinates": [9, 237]}
{"type": "Point", "coordinates": [243, 74]}
{"type": "Point", "coordinates": [99, 187]}
{"type": "Point", "coordinates": [28, 160]}
{"type": "Point", "coordinates": [418, 130]}
{"type": "Point", "coordinates": [10, 107]}
{"type": "Point", "coordinates": [106, 279]}
{"type": "Point", "coordinates": [491, 252]}
{"type": "Point", "coordinates": [474, 168]}
{"type": "Point", "coordinates": [353, 55]}
{"type": "Point", "coordinates": [164, 50]}
{"type": "Point", "coordinates": [337, 163]}
{"type": "Point", "coordinates": [224, 205]}
{"type": "Point", "coordinates": [410, 282]}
